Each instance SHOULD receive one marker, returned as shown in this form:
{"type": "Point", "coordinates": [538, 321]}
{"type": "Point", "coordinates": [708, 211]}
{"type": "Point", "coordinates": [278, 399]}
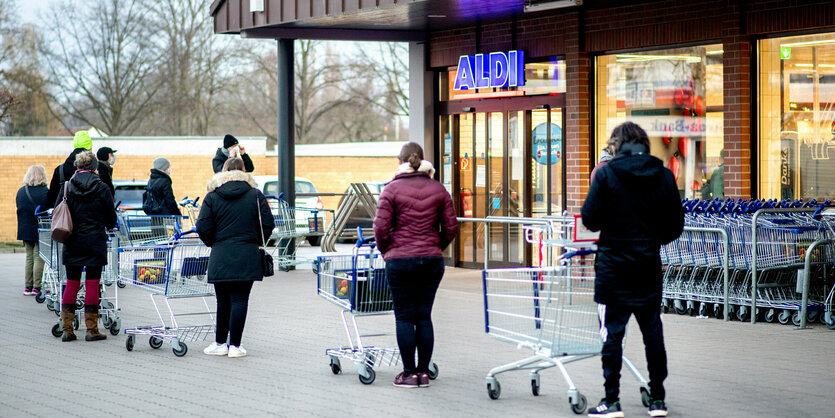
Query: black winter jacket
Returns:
{"type": "Point", "coordinates": [27, 222]}
{"type": "Point", "coordinates": [106, 176]}
{"type": "Point", "coordinates": [91, 207]}
{"type": "Point", "coordinates": [634, 202]}
{"type": "Point", "coordinates": [55, 182]}
{"type": "Point", "coordinates": [228, 222]}
{"type": "Point", "coordinates": [220, 159]}
{"type": "Point", "coordinates": [160, 186]}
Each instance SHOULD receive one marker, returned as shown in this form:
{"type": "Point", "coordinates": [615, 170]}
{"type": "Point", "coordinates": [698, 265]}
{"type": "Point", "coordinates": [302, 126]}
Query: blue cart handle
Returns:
{"type": "Point", "coordinates": [578, 252]}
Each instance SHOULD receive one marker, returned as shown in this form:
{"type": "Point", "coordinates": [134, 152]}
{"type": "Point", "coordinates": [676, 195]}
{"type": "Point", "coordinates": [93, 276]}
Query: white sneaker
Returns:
{"type": "Point", "coordinates": [235, 352]}
{"type": "Point", "coordinates": [216, 349]}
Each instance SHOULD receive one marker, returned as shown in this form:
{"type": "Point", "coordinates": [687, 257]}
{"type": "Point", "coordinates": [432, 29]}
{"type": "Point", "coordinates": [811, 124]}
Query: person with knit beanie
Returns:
{"type": "Point", "coordinates": [106, 161]}
{"type": "Point", "coordinates": [231, 149]}
{"type": "Point", "coordinates": [160, 186]}
{"type": "Point", "coordinates": [91, 206]}
{"type": "Point", "coordinates": [80, 142]}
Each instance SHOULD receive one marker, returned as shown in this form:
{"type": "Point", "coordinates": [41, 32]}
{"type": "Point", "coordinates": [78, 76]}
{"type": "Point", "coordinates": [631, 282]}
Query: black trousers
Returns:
{"type": "Point", "coordinates": [613, 327]}
{"type": "Point", "coordinates": [414, 282]}
{"type": "Point", "coordinates": [232, 305]}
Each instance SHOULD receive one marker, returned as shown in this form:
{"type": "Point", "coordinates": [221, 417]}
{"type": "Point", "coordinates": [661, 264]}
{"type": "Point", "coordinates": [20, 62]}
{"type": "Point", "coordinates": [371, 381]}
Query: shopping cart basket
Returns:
{"type": "Point", "coordinates": [551, 311]}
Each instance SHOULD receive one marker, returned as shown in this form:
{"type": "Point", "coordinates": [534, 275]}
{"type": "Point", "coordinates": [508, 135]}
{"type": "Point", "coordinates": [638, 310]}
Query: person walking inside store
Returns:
{"type": "Point", "coordinates": [235, 219]}
{"type": "Point", "coordinates": [634, 202]}
{"type": "Point", "coordinates": [91, 207]}
{"type": "Point", "coordinates": [415, 222]}
{"type": "Point", "coordinates": [29, 197]}
{"type": "Point", "coordinates": [231, 149]}
{"type": "Point", "coordinates": [106, 161]}
{"type": "Point", "coordinates": [81, 142]}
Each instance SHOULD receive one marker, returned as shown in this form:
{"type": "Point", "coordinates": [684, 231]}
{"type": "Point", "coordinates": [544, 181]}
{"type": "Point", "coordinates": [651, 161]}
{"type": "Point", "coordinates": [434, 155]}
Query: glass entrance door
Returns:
{"type": "Point", "coordinates": [509, 163]}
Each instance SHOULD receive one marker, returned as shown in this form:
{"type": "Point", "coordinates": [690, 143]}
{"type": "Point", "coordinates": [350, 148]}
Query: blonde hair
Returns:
{"type": "Point", "coordinates": [233, 164]}
{"type": "Point", "coordinates": [35, 176]}
{"type": "Point", "coordinates": [84, 159]}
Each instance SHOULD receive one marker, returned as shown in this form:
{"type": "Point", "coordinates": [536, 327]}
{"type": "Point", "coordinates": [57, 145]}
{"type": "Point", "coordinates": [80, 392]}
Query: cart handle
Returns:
{"type": "Point", "coordinates": [578, 252]}
{"type": "Point", "coordinates": [177, 236]}
{"type": "Point", "coordinates": [364, 241]}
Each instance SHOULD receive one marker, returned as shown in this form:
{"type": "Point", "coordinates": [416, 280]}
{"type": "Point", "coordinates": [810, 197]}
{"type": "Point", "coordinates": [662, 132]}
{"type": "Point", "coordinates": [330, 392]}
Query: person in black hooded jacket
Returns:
{"type": "Point", "coordinates": [231, 149]}
{"type": "Point", "coordinates": [235, 219]}
{"type": "Point", "coordinates": [91, 207]}
{"type": "Point", "coordinates": [635, 204]}
{"type": "Point", "coordinates": [160, 185]}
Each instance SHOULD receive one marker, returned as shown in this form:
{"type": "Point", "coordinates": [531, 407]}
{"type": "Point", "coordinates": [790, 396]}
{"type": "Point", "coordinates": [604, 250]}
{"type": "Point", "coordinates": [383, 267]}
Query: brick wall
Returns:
{"type": "Point", "coordinates": [737, 105]}
{"type": "Point", "coordinates": [190, 173]}
{"type": "Point", "coordinates": [578, 105]}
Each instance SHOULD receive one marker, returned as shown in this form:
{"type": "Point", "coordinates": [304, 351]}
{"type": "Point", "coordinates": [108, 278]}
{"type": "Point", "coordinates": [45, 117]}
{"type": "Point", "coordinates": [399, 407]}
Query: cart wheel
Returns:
{"type": "Point", "coordinates": [79, 304]}
{"type": "Point", "coordinates": [796, 318]}
{"type": "Point", "coordinates": [681, 311]}
{"type": "Point", "coordinates": [75, 323]}
{"type": "Point", "coordinates": [831, 326]}
{"type": "Point", "coordinates": [702, 309]}
{"type": "Point", "coordinates": [433, 371]}
{"type": "Point", "coordinates": [769, 316]}
{"type": "Point", "coordinates": [129, 342]}
{"type": "Point", "coordinates": [811, 316]}
{"type": "Point", "coordinates": [534, 387]}
{"type": "Point", "coordinates": [784, 317]}
{"type": "Point", "coordinates": [40, 297]}
{"type": "Point", "coordinates": [581, 405]}
{"type": "Point", "coordinates": [182, 351]}
{"type": "Point", "coordinates": [742, 314]}
{"type": "Point", "coordinates": [371, 376]}
{"type": "Point", "coordinates": [106, 321]}
{"type": "Point", "coordinates": [155, 342]}
{"type": "Point", "coordinates": [115, 327]}
{"type": "Point", "coordinates": [57, 330]}
{"type": "Point", "coordinates": [336, 368]}
{"type": "Point", "coordinates": [494, 390]}
{"type": "Point", "coordinates": [645, 399]}
{"type": "Point", "coordinates": [49, 306]}
{"type": "Point", "coordinates": [121, 284]}
{"type": "Point", "coordinates": [107, 305]}
{"type": "Point", "coordinates": [56, 307]}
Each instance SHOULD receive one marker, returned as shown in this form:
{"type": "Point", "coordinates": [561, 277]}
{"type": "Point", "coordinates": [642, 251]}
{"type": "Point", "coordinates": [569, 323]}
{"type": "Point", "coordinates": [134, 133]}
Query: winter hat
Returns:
{"type": "Point", "coordinates": [104, 153]}
{"type": "Point", "coordinates": [82, 140]}
{"type": "Point", "coordinates": [229, 140]}
{"type": "Point", "coordinates": [161, 164]}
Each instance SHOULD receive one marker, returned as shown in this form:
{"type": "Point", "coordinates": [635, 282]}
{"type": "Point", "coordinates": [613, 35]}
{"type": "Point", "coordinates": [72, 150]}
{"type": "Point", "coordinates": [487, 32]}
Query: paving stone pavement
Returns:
{"type": "Point", "coordinates": [716, 369]}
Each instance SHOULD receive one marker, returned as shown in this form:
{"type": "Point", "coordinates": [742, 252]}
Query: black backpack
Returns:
{"type": "Point", "coordinates": [150, 203]}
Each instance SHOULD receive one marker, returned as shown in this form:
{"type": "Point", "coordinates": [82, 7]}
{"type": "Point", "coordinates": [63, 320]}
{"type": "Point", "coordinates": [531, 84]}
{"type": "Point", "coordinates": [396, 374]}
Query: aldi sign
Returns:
{"type": "Point", "coordinates": [494, 70]}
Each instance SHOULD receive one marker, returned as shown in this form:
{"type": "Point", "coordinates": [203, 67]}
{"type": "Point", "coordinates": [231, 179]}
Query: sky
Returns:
{"type": "Point", "coordinates": [28, 9]}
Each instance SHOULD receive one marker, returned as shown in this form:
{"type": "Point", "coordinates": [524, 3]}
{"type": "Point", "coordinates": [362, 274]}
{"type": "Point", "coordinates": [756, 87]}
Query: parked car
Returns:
{"type": "Point", "coordinates": [269, 186]}
{"type": "Point", "coordinates": [359, 217]}
{"type": "Point", "coordinates": [129, 193]}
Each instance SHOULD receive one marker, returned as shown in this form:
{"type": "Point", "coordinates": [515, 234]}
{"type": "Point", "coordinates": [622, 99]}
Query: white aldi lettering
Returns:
{"type": "Point", "coordinates": [497, 69]}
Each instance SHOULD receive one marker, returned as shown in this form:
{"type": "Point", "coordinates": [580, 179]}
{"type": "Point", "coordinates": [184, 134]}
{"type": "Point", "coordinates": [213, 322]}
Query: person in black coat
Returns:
{"type": "Point", "coordinates": [106, 161]}
{"type": "Point", "coordinates": [160, 185]}
{"type": "Point", "coordinates": [635, 204]}
{"type": "Point", "coordinates": [91, 206]}
{"type": "Point", "coordinates": [235, 220]}
{"type": "Point", "coordinates": [81, 142]}
{"type": "Point", "coordinates": [231, 149]}
{"type": "Point", "coordinates": [30, 197]}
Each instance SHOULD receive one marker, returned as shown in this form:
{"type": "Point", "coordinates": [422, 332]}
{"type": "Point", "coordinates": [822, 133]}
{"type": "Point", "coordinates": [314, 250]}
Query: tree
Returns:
{"type": "Point", "coordinates": [389, 64]}
{"type": "Point", "coordinates": [318, 81]}
{"type": "Point", "coordinates": [101, 61]}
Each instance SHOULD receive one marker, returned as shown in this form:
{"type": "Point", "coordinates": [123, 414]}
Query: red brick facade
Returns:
{"type": "Point", "coordinates": [578, 36]}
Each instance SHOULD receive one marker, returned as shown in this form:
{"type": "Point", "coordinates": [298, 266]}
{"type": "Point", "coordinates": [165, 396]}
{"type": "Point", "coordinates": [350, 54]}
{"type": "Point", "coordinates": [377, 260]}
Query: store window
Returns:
{"type": "Point", "coordinates": [541, 77]}
{"type": "Point", "coordinates": [676, 96]}
{"type": "Point", "coordinates": [796, 117]}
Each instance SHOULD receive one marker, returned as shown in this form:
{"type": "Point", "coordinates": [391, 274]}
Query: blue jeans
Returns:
{"type": "Point", "coordinates": [414, 282]}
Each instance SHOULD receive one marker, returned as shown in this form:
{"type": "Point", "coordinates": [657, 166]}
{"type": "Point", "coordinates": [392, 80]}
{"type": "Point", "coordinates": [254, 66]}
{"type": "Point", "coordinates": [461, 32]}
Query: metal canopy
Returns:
{"type": "Point", "coordinates": [371, 19]}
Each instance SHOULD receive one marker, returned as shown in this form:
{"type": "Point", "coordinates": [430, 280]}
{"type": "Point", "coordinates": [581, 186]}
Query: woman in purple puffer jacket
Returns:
{"type": "Point", "coordinates": [415, 222]}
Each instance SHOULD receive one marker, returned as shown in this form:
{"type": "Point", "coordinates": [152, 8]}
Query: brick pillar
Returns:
{"type": "Point", "coordinates": [737, 94]}
{"type": "Point", "coordinates": [578, 105]}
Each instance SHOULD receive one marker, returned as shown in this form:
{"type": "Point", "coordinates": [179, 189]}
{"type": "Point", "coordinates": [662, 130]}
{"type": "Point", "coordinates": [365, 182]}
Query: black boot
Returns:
{"type": "Point", "coordinates": [91, 319]}
{"type": "Point", "coordinates": [67, 317]}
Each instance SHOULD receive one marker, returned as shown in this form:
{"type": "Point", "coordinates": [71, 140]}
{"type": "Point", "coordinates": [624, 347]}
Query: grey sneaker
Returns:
{"type": "Point", "coordinates": [606, 410]}
{"type": "Point", "coordinates": [657, 409]}
{"type": "Point", "coordinates": [404, 381]}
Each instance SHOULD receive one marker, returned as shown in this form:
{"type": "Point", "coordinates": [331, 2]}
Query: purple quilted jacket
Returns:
{"type": "Point", "coordinates": [415, 217]}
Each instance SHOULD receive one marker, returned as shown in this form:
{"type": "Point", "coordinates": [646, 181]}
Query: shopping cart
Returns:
{"type": "Point", "coordinates": [192, 210]}
{"type": "Point", "coordinates": [148, 230]}
{"type": "Point", "coordinates": [551, 311]}
{"type": "Point", "coordinates": [174, 275]}
{"type": "Point", "coordinates": [291, 225]}
{"type": "Point", "coordinates": [357, 283]}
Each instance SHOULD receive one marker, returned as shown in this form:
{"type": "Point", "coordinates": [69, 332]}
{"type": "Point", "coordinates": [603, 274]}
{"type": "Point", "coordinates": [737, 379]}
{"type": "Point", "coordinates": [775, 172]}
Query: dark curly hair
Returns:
{"type": "Point", "coordinates": [629, 133]}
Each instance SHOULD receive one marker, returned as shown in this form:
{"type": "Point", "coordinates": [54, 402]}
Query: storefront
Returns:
{"type": "Point", "coordinates": [738, 97]}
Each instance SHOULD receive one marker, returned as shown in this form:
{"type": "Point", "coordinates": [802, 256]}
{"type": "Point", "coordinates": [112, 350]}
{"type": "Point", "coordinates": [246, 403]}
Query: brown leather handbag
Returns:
{"type": "Point", "coordinates": [62, 219]}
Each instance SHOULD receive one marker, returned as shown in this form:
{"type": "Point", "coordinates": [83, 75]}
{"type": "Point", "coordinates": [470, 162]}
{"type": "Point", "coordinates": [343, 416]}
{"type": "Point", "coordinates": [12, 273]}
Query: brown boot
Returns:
{"type": "Point", "coordinates": [67, 317]}
{"type": "Point", "coordinates": [91, 319]}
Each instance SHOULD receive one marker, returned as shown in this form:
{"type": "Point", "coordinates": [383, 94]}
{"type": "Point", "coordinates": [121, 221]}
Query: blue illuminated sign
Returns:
{"type": "Point", "coordinates": [497, 69]}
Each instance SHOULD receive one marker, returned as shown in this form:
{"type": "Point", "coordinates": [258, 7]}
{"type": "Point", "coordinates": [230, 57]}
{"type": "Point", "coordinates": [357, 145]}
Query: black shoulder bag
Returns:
{"type": "Point", "coordinates": [267, 267]}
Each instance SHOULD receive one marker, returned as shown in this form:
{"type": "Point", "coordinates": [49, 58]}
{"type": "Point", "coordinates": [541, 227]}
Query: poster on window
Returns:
{"type": "Point", "coordinates": [786, 169]}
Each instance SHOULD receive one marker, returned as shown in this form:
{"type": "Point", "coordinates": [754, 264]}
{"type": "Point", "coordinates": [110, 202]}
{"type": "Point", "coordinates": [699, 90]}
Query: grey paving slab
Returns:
{"type": "Point", "coordinates": [716, 368]}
